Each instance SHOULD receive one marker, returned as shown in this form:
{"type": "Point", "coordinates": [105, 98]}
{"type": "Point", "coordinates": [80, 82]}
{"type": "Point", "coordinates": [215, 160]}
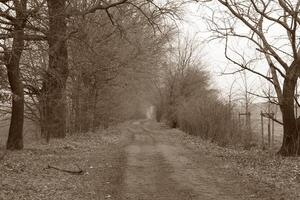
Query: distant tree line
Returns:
{"type": "Point", "coordinates": [186, 99]}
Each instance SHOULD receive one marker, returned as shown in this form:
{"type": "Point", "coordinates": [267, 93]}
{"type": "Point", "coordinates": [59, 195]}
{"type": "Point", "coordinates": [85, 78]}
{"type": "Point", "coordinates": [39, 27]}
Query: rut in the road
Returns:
{"type": "Point", "coordinates": [148, 175]}
{"type": "Point", "coordinates": [159, 168]}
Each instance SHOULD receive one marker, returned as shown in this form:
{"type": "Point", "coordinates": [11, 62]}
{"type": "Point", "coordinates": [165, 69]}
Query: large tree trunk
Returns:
{"type": "Point", "coordinates": [15, 135]}
{"type": "Point", "coordinates": [290, 144]}
{"type": "Point", "coordinates": [55, 81]}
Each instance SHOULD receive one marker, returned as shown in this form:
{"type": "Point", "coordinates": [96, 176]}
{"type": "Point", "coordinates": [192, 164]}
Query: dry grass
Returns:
{"type": "Point", "coordinates": [4, 126]}
{"type": "Point", "coordinates": [256, 127]}
{"type": "Point", "coordinates": [275, 177]}
{"type": "Point", "coordinates": [24, 174]}
{"type": "Point", "coordinates": [30, 132]}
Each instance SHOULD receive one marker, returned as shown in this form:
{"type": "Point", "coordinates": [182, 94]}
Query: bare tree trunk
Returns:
{"type": "Point", "coordinates": [76, 101]}
{"type": "Point", "coordinates": [55, 81]}
{"type": "Point", "coordinates": [15, 136]}
{"type": "Point", "coordinates": [84, 113]}
{"type": "Point", "coordinates": [290, 144]}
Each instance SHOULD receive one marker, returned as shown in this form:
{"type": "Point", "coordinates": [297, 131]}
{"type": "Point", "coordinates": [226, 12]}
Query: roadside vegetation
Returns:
{"type": "Point", "coordinates": [91, 65]}
{"type": "Point", "coordinates": [187, 100]}
{"type": "Point", "coordinates": [73, 73]}
{"type": "Point", "coordinates": [85, 166]}
{"type": "Point", "coordinates": [275, 177]}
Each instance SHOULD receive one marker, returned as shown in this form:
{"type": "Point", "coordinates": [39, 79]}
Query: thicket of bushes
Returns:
{"type": "Point", "coordinates": [186, 101]}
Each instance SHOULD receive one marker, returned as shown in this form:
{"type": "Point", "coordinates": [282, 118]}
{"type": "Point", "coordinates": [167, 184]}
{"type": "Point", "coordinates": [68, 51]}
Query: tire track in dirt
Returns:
{"type": "Point", "coordinates": [161, 169]}
{"type": "Point", "coordinates": [148, 175]}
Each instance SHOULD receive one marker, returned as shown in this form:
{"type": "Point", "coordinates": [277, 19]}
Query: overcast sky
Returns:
{"type": "Point", "coordinates": [213, 52]}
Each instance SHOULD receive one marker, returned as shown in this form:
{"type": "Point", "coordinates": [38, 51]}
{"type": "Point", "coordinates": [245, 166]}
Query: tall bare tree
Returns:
{"type": "Point", "coordinates": [15, 30]}
{"type": "Point", "coordinates": [60, 11]}
{"type": "Point", "coordinates": [112, 55]}
{"type": "Point", "coordinates": [12, 60]}
{"type": "Point", "coordinates": [57, 73]}
{"type": "Point", "coordinates": [13, 25]}
{"type": "Point", "coordinates": [271, 28]}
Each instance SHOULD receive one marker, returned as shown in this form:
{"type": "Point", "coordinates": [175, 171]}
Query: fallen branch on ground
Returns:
{"type": "Point", "coordinates": [76, 172]}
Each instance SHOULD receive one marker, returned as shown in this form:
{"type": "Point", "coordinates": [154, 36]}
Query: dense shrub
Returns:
{"type": "Point", "coordinates": [208, 118]}
{"type": "Point", "coordinates": [188, 103]}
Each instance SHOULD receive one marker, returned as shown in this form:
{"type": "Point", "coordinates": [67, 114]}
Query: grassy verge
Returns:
{"type": "Point", "coordinates": [25, 174]}
{"type": "Point", "coordinates": [276, 177]}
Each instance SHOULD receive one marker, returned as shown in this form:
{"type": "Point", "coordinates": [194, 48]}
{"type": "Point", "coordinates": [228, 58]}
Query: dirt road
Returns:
{"type": "Point", "coordinates": [138, 161]}
{"type": "Point", "coordinates": [159, 167]}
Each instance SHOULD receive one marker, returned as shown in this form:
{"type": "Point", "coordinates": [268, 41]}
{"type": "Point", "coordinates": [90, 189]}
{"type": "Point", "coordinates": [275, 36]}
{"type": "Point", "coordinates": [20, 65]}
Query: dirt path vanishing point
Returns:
{"type": "Point", "coordinates": [160, 168]}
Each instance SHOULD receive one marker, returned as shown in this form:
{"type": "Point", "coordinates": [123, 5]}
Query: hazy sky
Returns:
{"type": "Point", "coordinates": [213, 52]}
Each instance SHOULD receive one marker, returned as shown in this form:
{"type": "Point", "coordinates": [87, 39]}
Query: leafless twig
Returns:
{"type": "Point", "coordinates": [74, 172]}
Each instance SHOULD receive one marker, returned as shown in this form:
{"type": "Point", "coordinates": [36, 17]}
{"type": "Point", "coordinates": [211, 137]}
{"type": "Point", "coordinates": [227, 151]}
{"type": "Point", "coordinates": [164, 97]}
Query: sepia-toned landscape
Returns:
{"type": "Point", "coordinates": [149, 100]}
